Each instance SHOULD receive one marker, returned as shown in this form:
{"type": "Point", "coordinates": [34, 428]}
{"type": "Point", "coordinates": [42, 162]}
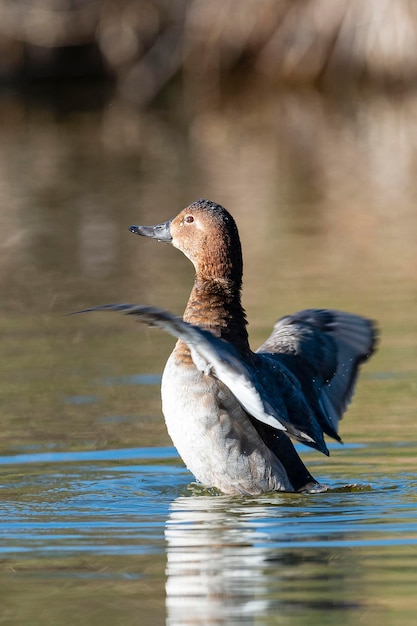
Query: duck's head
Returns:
{"type": "Point", "coordinates": [207, 234]}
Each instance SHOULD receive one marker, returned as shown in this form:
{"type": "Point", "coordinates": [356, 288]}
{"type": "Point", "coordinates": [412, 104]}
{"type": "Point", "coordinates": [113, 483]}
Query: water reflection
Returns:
{"type": "Point", "coordinates": [223, 565]}
{"type": "Point", "coordinates": [71, 522]}
{"type": "Point", "coordinates": [326, 215]}
{"type": "Point", "coordinates": [323, 191]}
{"type": "Point", "coordinates": [212, 568]}
{"type": "Point", "coordinates": [331, 184]}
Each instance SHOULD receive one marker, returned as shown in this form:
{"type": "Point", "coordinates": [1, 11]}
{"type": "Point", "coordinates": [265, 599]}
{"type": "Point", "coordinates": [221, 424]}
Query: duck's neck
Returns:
{"type": "Point", "coordinates": [214, 304]}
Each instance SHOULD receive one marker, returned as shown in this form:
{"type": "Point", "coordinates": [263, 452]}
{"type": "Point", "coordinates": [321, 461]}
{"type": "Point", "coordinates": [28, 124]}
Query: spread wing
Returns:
{"type": "Point", "coordinates": [218, 357]}
{"type": "Point", "coordinates": [324, 350]}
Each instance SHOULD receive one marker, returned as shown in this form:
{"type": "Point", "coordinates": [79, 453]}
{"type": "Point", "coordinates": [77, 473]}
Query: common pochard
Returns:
{"type": "Point", "coordinates": [229, 411]}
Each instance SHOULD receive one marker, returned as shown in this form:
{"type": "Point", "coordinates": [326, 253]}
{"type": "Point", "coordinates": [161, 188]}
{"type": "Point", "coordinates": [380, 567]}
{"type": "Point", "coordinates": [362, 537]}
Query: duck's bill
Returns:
{"type": "Point", "coordinates": [160, 232]}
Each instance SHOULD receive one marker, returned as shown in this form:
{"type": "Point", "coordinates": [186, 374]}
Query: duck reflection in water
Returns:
{"type": "Point", "coordinates": [239, 561]}
{"type": "Point", "coordinates": [230, 411]}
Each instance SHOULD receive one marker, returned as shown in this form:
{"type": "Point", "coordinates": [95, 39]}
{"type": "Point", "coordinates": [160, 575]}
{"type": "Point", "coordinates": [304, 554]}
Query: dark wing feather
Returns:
{"type": "Point", "coordinates": [283, 448]}
{"type": "Point", "coordinates": [323, 349]}
{"type": "Point", "coordinates": [281, 384]}
{"type": "Point", "coordinates": [220, 358]}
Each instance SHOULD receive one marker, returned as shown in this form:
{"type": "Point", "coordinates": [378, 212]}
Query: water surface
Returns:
{"type": "Point", "coordinates": [99, 521]}
{"type": "Point", "coordinates": [112, 532]}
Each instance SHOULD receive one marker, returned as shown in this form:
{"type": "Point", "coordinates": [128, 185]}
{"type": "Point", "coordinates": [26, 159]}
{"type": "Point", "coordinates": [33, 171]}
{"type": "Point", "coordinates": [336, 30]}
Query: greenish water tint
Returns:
{"type": "Point", "coordinates": [98, 523]}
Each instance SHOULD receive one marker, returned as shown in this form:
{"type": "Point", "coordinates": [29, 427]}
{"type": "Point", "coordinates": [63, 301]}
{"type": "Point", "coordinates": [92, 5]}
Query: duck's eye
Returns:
{"type": "Point", "coordinates": [189, 219]}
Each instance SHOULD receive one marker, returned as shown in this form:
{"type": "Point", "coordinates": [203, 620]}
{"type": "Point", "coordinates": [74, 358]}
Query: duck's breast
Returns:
{"type": "Point", "coordinates": [214, 435]}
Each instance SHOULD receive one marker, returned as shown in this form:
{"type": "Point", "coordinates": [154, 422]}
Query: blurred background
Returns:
{"type": "Point", "coordinates": [299, 116]}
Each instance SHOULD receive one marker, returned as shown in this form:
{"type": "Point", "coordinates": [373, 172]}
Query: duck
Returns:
{"type": "Point", "coordinates": [233, 413]}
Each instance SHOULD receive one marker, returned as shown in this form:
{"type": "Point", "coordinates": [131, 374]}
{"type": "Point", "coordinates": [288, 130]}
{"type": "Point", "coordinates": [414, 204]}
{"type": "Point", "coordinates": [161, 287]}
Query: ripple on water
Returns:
{"type": "Point", "coordinates": [219, 556]}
